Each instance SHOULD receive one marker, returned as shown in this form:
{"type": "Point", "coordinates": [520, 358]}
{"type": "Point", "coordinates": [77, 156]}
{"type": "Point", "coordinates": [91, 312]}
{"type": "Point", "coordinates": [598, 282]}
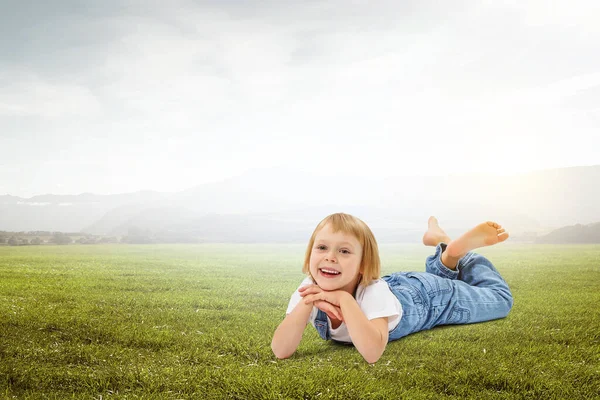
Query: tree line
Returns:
{"type": "Point", "coordinates": [42, 237]}
{"type": "Point", "coordinates": [134, 235]}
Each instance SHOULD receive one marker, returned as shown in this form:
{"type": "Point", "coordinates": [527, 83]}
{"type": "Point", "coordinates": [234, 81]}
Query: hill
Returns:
{"type": "Point", "coordinates": [274, 205]}
{"type": "Point", "coordinates": [573, 234]}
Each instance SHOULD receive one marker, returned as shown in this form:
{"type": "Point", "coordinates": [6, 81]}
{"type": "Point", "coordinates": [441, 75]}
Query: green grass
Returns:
{"type": "Point", "coordinates": [196, 321]}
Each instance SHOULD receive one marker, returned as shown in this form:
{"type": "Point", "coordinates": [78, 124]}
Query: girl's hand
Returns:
{"type": "Point", "coordinates": [313, 293]}
{"type": "Point", "coordinates": [334, 312]}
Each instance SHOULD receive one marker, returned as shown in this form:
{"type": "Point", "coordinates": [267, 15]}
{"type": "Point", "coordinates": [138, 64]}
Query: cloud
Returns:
{"type": "Point", "coordinates": [160, 93]}
{"type": "Point", "coordinates": [27, 95]}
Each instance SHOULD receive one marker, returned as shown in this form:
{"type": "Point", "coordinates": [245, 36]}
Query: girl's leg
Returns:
{"type": "Point", "coordinates": [477, 291]}
{"type": "Point", "coordinates": [485, 234]}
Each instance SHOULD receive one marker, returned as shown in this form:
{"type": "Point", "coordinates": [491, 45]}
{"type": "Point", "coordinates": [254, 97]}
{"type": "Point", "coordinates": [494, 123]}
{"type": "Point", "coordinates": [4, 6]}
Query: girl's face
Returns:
{"type": "Point", "coordinates": [335, 260]}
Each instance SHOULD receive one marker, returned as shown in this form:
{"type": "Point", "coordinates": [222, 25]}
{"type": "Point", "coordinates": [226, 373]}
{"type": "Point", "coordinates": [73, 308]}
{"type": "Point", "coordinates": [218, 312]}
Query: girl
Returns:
{"type": "Point", "coordinates": [345, 299]}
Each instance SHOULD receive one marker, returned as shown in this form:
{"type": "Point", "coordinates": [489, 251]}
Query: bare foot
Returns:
{"type": "Point", "coordinates": [485, 234]}
{"type": "Point", "coordinates": [434, 235]}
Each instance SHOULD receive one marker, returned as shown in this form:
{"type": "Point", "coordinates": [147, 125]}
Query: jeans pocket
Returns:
{"type": "Point", "coordinates": [433, 284]}
{"type": "Point", "coordinates": [459, 315]}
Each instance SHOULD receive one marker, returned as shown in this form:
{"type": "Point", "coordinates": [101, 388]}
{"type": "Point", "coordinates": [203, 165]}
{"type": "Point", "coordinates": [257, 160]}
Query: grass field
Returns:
{"type": "Point", "coordinates": [196, 321]}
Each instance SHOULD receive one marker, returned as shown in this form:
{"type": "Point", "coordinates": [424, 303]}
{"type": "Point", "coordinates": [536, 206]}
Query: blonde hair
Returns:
{"type": "Point", "coordinates": [370, 264]}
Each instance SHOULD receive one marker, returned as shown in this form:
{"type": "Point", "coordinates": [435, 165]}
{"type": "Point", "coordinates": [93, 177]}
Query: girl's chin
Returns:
{"type": "Point", "coordinates": [326, 284]}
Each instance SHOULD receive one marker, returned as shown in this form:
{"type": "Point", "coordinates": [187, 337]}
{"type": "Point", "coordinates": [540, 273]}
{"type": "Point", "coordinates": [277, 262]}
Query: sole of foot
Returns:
{"type": "Point", "coordinates": [485, 234]}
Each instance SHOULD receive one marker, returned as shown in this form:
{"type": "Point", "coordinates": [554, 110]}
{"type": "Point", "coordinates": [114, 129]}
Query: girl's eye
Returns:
{"type": "Point", "coordinates": [323, 247]}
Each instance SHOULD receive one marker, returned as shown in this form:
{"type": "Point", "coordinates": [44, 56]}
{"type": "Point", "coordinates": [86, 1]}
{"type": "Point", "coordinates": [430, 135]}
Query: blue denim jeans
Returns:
{"type": "Point", "coordinates": [474, 292]}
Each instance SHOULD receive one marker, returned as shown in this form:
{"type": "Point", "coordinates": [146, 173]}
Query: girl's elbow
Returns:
{"type": "Point", "coordinates": [373, 356]}
{"type": "Point", "coordinates": [282, 356]}
{"type": "Point", "coordinates": [373, 350]}
{"type": "Point", "coordinates": [281, 353]}
{"type": "Point", "coordinates": [372, 359]}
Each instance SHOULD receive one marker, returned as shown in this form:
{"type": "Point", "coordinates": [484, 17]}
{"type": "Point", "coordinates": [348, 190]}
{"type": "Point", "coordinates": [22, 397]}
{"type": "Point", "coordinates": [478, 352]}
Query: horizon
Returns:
{"type": "Point", "coordinates": [271, 205]}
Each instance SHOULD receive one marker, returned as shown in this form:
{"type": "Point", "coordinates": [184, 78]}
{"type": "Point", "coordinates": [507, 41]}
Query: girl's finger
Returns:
{"type": "Point", "coordinates": [338, 315]}
{"type": "Point", "coordinates": [311, 290]}
{"type": "Point", "coordinates": [324, 306]}
{"type": "Point", "coordinates": [311, 298]}
{"type": "Point", "coordinates": [310, 286]}
{"type": "Point", "coordinates": [333, 310]}
{"type": "Point", "coordinates": [331, 315]}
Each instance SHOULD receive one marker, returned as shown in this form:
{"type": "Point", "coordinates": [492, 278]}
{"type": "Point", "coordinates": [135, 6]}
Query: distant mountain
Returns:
{"type": "Point", "coordinates": [70, 213]}
{"type": "Point", "coordinates": [573, 234]}
{"type": "Point", "coordinates": [283, 205]}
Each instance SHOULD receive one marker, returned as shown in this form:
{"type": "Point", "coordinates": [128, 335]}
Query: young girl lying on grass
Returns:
{"type": "Point", "coordinates": [345, 299]}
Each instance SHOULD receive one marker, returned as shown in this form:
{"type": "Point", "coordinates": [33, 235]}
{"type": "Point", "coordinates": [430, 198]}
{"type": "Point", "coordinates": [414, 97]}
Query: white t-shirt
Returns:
{"type": "Point", "coordinates": [376, 301]}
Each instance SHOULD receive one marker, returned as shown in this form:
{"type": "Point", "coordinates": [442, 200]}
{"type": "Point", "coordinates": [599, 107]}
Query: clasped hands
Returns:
{"type": "Point", "coordinates": [326, 301]}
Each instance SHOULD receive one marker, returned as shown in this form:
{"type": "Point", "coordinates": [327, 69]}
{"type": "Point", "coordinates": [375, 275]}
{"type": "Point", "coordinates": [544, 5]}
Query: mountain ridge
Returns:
{"type": "Point", "coordinates": [272, 203]}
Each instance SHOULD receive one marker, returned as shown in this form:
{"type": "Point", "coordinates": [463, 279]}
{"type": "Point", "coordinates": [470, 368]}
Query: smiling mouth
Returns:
{"type": "Point", "coordinates": [329, 272]}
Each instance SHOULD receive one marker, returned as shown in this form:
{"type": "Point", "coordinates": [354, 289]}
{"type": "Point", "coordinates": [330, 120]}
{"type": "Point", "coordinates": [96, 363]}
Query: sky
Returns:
{"type": "Point", "coordinates": [120, 96]}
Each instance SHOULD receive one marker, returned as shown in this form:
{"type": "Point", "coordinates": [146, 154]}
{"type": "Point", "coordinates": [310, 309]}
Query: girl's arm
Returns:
{"type": "Point", "coordinates": [368, 336]}
{"type": "Point", "coordinates": [288, 334]}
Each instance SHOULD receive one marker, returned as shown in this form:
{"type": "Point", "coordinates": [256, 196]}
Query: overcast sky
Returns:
{"type": "Point", "coordinates": [118, 96]}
